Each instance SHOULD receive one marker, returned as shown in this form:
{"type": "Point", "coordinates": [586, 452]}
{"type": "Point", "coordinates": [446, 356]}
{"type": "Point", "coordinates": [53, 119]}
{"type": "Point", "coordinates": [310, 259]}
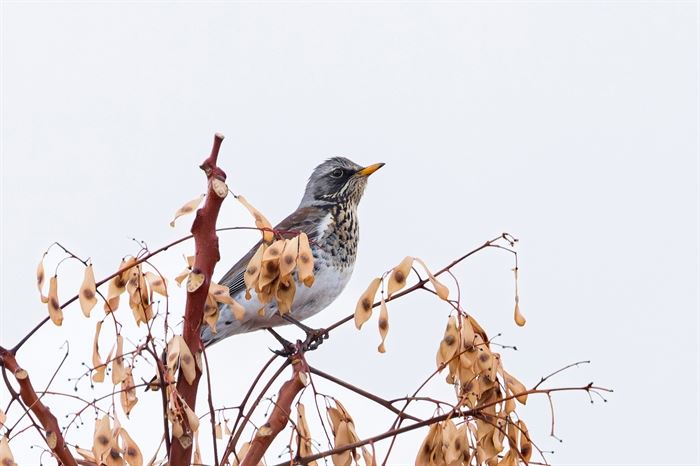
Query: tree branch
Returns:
{"type": "Point", "coordinates": [280, 413]}
{"type": "Point", "coordinates": [206, 244]}
{"type": "Point", "coordinates": [54, 438]}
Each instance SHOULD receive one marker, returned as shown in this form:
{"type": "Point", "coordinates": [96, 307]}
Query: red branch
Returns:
{"type": "Point", "coordinates": [206, 244]}
{"type": "Point", "coordinates": [54, 438]}
{"type": "Point", "coordinates": [280, 414]}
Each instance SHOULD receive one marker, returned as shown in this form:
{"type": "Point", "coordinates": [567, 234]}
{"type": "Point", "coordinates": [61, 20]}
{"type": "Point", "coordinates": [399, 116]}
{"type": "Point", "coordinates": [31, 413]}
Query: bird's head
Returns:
{"type": "Point", "coordinates": [337, 181]}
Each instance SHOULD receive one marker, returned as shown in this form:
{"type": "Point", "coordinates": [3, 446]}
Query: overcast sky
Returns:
{"type": "Point", "coordinates": [571, 125]}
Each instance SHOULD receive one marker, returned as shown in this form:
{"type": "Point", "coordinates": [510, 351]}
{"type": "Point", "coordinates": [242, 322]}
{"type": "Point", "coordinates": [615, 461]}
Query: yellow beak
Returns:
{"type": "Point", "coordinates": [368, 170]}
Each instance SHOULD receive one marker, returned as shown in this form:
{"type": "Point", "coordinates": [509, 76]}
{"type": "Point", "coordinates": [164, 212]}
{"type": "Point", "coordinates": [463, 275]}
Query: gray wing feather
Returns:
{"type": "Point", "coordinates": [305, 219]}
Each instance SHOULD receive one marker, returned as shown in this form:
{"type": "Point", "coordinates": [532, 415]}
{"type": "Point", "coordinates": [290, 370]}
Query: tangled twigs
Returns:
{"type": "Point", "coordinates": [280, 413]}
{"type": "Point", "coordinates": [53, 436]}
{"type": "Point", "coordinates": [206, 244]}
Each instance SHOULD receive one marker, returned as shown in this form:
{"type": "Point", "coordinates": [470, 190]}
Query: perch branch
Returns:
{"type": "Point", "coordinates": [206, 244]}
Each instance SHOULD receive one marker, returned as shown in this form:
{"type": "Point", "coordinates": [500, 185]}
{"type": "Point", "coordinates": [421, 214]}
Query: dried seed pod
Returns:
{"type": "Point", "coordinates": [252, 271]}
{"type": "Point", "coordinates": [118, 372]}
{"type": "Point", "coordinates": [450, 441]}
{"type": "Point", "coordinates": [515, 387]}
{"type": "Point", "coordinates": [219, 187]}
{"type": "Point", "coordinates": [172, 358]}
{"type": "Point", "coordinates": [342, 437]}
{"type": "Point", "coordinates": [55, 311]}
{"type": "Point", "coordinates": [363, 309]}
{"type": "Point", "coordinates": [185, 273]}
{"type": "Point", "coordinates": [157, 283]}
{"type": "Point", "coordinates": [40, 276]}
{"type": "Point", "coordinates": [462, 442]}
{"type": "Point", "coordinates": [188, 208]}
{"type": "Point", "coordinates": [467, 334]}
{"type": "Point", "coordinates": [86, 454]}
{"type": "Point", "coordinates": [194, 280]}
{"type": "Point", "coordinates": [260, 220]}
{"type": "Point", "coordinates": [368, 458]}
{"type": "Point", "coordinates": [211, 313]}
{"type": "Point", "coordinates": [525, 443]}
{"type": "Point", "coordinates": [97, 363]}
{"type": "Point", "coordinates": [3, 418]}
{"type": "Point", "coordinates": [334, 416]}
{"type": "Point", "coordinates": [399, 274]}
{"type": "Point", "coordinates": [127, 397]}
{"type": "Point", "coordinates": [117, 285]}
{"type": "Point", "coordinates": [305, 261]}
{"type": "Point", "coordinates": [6, 458]}
{"type": "Point", "coordinates": [285, 295]}
{"type": "Point", "coordinates": [220, 293]}
{"type": "Point", "coordinates": [305, 445]}
{"type": "Point", "coordinates": [441, 290]}
{"type": "Point", "coordinates": [449, 344]}
{"type": "Point", "coordinates": [88, 290]}
{"type": "Point", "coordinates": [102, 438]}
{"type": "Point", "coordinates": [192, 419]}
{"type": "Point", "coordinates": [270, 264]}
{"type": "Point", "coordinates": [509, 406]}
{"type": "Point", "coordinates": [383, 325]}
{"type": "Point", "coordinates": [519, 318]}
{"type": "Point", "coordinates": [187, 364]}
{"type": "Point", "coordinates": [132, 453]}
{"type": "Point", "coordinates": [432, 444]}
{"type": "Point", "coordinates": [289, 256]}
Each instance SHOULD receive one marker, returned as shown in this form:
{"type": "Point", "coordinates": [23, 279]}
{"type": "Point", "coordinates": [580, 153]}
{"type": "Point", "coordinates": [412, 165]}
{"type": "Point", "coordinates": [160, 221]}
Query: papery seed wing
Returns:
{"type": "Point", "coordinates": [188, 208]}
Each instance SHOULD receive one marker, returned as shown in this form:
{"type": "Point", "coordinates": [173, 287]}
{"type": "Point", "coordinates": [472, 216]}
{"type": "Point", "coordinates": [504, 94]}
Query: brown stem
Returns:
{"type": "Point", "coordinates": [280, 413]}
{"type": "Point", "coordinates": [206, 244]}
{"type": "Point", "coordinates": [54, 438]}
{"type": "Point", "coordinates": [452, 414]}
{"type": "Point", "coordinates": [238, 429]}
{"type": "Point", "coordinates": [364, 393]}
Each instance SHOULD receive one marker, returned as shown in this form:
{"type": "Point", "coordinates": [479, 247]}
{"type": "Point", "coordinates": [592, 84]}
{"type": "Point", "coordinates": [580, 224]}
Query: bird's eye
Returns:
{"type": "Point", "coordinates": [337, 173]}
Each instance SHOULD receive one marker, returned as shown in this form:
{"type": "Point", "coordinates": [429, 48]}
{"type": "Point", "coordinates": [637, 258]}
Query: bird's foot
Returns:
{"type": "Point", "coordinates": [288, 348]}
{"type": "Point", "coordinates": [314, 338]}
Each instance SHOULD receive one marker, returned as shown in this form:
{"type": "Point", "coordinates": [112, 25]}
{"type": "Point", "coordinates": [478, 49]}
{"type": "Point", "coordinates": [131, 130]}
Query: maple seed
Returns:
{"type": "Point", "coordinates": [397, 280]}
{"type": "Point", "coordinates": [219, 187]}
{"type": "Point", "coordinates": [441, 290]}
{"type": "Point", "coordinates": [305, 264]}
{"type": "Point", "coordinates": [363, 309]}
{"type": "Point", "coordinates": [383, 325]}
{"type": "Point", "coordinates": [88, 291]}
{"type": "Point", "coordinates": [187, 208]}
{"type": "Point", "coordinates": [194, 280]}
{"type": "Point", "coordinates": [40, 276]}
{"type": "Point", "coordinates": [55, 311]}
{"type": "Point", "coordinates": [260, 221]}
{"type": "Point", "coordinates": [519, 318]}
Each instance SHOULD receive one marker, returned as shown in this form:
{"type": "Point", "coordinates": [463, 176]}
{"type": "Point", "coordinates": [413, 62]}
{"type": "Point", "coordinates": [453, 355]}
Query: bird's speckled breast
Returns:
{"type": "Point", "coordinates": [334, 258]}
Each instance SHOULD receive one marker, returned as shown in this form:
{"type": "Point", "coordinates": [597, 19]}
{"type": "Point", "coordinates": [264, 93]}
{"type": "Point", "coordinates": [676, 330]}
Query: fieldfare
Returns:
{"type": "Point", "coordinates": [328, 215]}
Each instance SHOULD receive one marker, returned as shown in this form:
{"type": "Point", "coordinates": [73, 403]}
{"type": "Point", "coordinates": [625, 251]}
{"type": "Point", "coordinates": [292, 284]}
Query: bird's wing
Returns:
{"type": "Point", "coordinates": [306, 219]}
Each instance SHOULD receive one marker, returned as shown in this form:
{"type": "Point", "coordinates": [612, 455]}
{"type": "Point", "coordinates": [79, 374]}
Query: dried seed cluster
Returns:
{"type": "Point", "coordinates": [270, 273]}
{"type": "Point", "coordinates": [112, 445]}
{"type": "Point", "coordinates": [396, 282]}
{"type": "Point", "coordinates": [481, 383]}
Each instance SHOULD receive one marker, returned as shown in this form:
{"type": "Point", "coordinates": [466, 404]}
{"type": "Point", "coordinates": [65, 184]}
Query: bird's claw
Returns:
{"type": "Point", "coordinates": [288, 348]}
{"type": "Point", "coordinates": [314, 338]}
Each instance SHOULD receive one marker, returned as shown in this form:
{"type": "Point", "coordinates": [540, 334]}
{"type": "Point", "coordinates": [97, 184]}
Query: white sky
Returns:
{"type": "Point", "coordinates": [572, 125]}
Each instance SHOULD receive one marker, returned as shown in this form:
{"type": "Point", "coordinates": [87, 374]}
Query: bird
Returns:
{"type": "Point", "coordinates": [327, 214]}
